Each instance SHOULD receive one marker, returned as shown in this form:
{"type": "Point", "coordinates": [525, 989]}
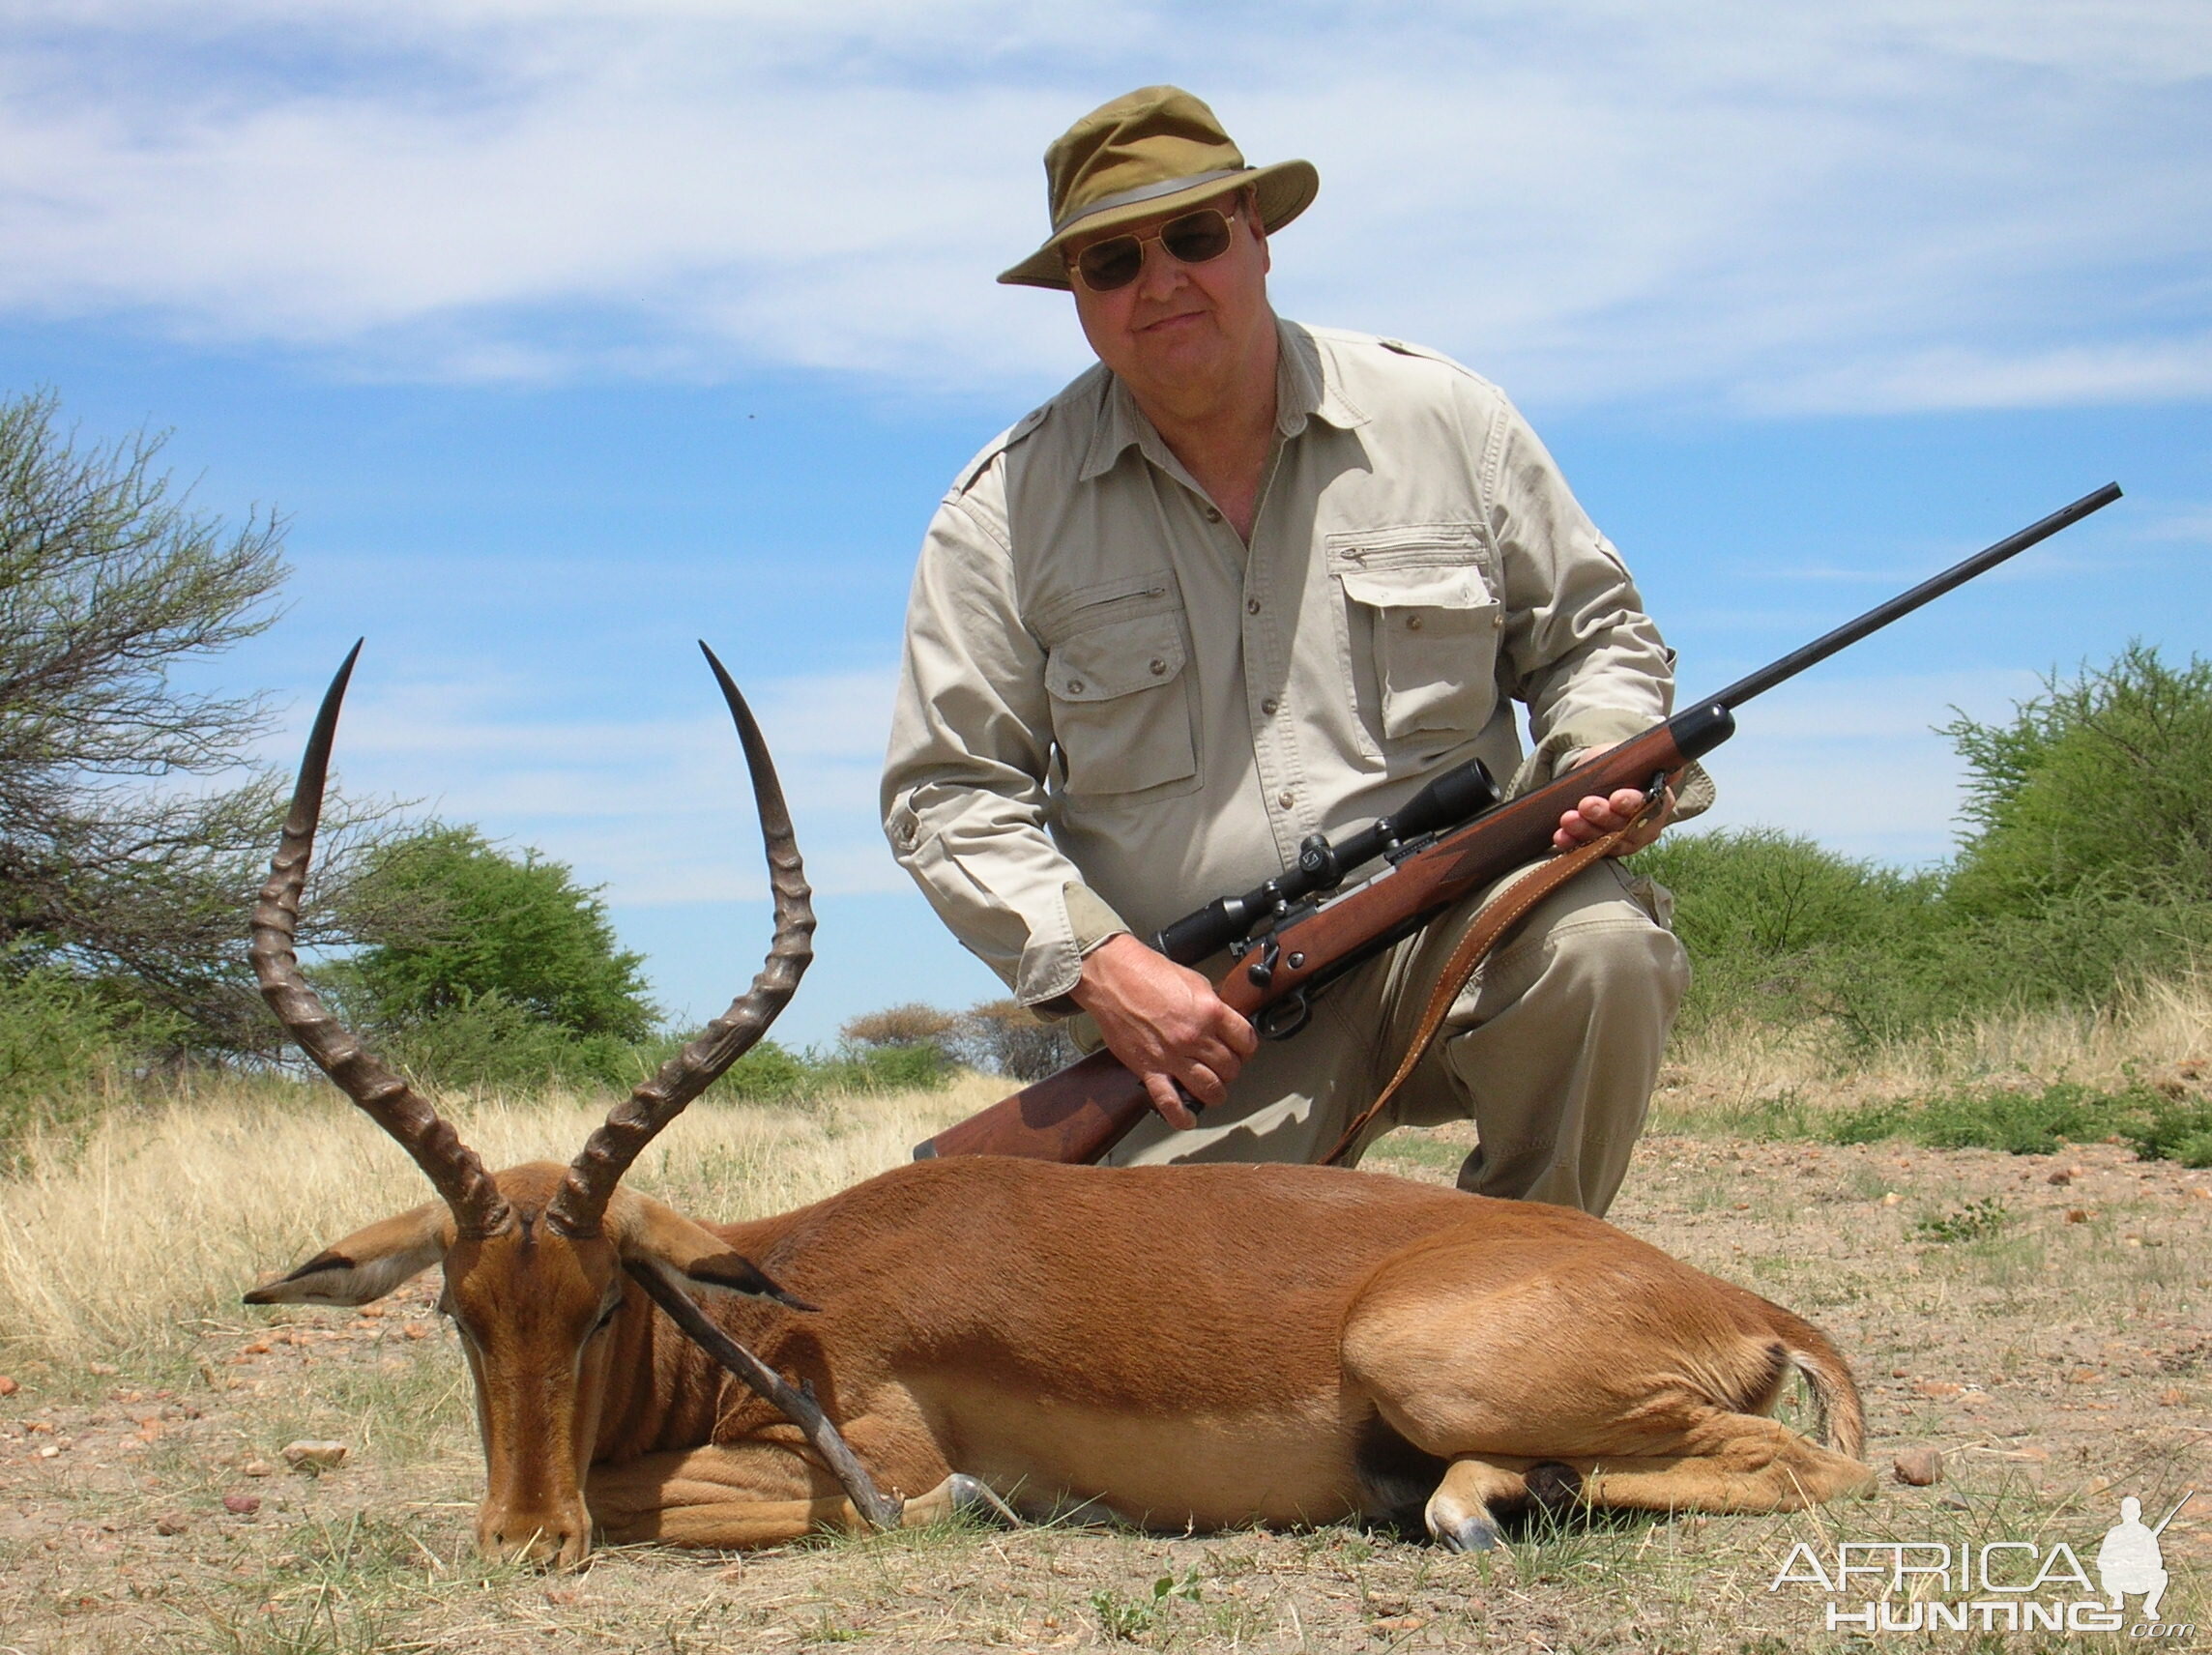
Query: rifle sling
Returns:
{"type": "Point", "coordinates": [1506, 910]}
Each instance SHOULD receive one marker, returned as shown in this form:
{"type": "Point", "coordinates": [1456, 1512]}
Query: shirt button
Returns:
{"type": "Point", "coordinates": [1268, 705]}
{"type": "Point", "coordinates": [1286, 799]}
{"type": "Point", "coordinates": [1075, 686]}
{"type": "Point", "coordinates": [1251, 606]}
{"type": "Point", "coordinates": [1212, 514]}
{"type": "Point", "coordinates": [1159, 667]}
{"type": "Point", "coordinates": [1497, 621]}
{"type": "Point", "coordinates": [1412, 622]}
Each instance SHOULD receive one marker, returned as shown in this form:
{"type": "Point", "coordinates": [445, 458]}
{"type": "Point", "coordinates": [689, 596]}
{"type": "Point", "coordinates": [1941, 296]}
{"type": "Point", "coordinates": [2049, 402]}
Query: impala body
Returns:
{"type": "Point", "coordinates": [1326, 1344]}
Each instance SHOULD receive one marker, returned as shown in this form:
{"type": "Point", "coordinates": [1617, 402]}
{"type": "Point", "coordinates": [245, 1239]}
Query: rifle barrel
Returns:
{"type": "Point", "coordinates": [1905, 603]}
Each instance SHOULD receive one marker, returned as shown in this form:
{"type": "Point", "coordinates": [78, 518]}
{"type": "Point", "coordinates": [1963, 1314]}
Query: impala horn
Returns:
{"type": "Point", "coordinates": [390, 1101]}
{"type": "Point", "coordinates": [579, 1205]}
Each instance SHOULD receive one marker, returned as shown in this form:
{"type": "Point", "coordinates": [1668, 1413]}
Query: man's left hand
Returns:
{"type": "Point", "coordinates": [1601, 814]}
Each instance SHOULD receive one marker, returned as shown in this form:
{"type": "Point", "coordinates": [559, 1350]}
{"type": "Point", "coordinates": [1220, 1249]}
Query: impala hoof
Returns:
{"type": "Point", "coordinates": [1458, 1522]}
{"type": "Point", "coordinates": [973, 1499]}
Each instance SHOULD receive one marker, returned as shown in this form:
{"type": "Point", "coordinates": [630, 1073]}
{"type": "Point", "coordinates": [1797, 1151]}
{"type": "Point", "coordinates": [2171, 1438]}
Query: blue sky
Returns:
{"type": "Point", "coordinates": [568, 333]}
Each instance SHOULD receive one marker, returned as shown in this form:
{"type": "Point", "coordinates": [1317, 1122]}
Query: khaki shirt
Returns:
{"type": "Point", "coordinates": [1113, 710]}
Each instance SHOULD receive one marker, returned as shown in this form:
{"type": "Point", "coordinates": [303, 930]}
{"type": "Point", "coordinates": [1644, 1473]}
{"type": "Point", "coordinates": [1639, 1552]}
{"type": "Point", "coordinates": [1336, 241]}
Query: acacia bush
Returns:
{"type": "Point", "coordinates": [2086, 868]}
{"type": "Point", "coordinates": [134, 826]}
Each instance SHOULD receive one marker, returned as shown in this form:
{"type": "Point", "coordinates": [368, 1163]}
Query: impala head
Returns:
{"type": "Point", "coordinates": [535, 1257]}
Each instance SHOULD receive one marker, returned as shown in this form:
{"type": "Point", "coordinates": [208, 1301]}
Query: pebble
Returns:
{"type": "Point", "coordinates": [1919, 1468]}
{"type": "Point", "coordinates": [241, 1505]}
{"type": "Point", "coordinates": [257, 1468]}
{"type": "Point", "coordinates": [310, 1454]}
{"type": "Point", "coordinates": [169, 1523]}
{"type": "Point", "coordinates": [8, 1386]}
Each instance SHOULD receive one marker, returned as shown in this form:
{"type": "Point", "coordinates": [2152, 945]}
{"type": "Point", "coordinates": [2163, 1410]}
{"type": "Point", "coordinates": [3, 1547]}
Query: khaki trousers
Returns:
{"type": "Point", "coordinates": [1552, 1051]}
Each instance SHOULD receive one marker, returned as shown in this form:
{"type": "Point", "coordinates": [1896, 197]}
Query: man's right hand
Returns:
{"type": "Point", "coordinates": [1165, 1024]}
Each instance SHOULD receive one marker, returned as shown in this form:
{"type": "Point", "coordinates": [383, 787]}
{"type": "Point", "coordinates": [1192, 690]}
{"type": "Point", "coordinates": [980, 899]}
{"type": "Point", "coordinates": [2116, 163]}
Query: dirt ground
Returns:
{"type": "Point", "coordinates": [2040, 1322]}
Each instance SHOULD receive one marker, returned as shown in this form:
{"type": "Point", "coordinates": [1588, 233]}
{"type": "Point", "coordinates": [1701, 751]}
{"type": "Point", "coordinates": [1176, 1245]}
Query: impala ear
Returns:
{"type": "Point", "coordinates": [367, 1264]}
{"type": "Point", "coordinates": [694, 1254]}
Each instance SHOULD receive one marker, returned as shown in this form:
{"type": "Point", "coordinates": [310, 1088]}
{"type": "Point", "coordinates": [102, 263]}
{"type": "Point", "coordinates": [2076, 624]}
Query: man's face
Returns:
{"type": "Point", "coordinates": [1180, 327]}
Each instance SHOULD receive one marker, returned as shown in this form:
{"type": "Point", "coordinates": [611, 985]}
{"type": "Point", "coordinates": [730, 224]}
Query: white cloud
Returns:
{"type": "Point", "coordinates": [1831, 205]}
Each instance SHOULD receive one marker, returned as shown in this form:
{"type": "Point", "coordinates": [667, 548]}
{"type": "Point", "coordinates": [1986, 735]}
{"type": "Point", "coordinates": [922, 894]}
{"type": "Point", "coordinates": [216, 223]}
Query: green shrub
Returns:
{"type": "Point", "coordinates": [1779, 928]}
{"type": "Point", "coordinates": [453, 919]}
{"type": "Point", "coordinates": [487, 1040]}
{"type": "Point", "coordinates": [59, 1041]}
{"type": "Point", "coordinates": [2018, 1123]}
{"type": "Point", "coordinates": [2100, 787]}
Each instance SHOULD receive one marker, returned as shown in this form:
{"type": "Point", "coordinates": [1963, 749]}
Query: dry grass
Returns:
{"type": "Point", "coordinates": [1730, 1076]}
{"type": "Point", "coordinates": [2056, 1362]}
{"type": "Point", "coordinates": [112, 1247]}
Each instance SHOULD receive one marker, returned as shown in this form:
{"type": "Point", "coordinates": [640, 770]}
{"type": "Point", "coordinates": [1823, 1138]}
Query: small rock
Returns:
{"type": "Point", "coordinates": [2063, 1175]}
{"type": "Point", "coordinates": [2076, 1215]}
{"type": "Point", "coordinates": [1892, 1199]}
{"type": "Point", "coordinates": [1900, 1373]}
{"type": "Point", "coordinates": [414, 1330]}
{"type": "Point", "coordinates": [8, 1386]}
{"type": "Point", "coordinates": [257, 1468]}
{"type": "Point", "coordinates": [49, 1452]}
{"type": "Point", "coordinates": [101, 1368]}
{"type": "Point", "coordinates": [1938, 1388]}
{"type": "Point", "coordinates": [241, 1505]}
{"type": "Point", "coordinates": [311, 1455]}
{"type": "Point", "coordinates": [2173, 1396]}
{"type": "Point", "coordinates": [1952, 1502]}
{"type": "Point", "coordinates": [169, 1523]}
{"type": "Point", "coordinates": [1919, 1468]}
{"type": "Point", "coordinates": [259, 1348]}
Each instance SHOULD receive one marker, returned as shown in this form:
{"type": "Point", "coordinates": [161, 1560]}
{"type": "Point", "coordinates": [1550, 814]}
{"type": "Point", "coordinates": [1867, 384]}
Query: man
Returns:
{"type": "Point", "coordinates": [1246, 581]}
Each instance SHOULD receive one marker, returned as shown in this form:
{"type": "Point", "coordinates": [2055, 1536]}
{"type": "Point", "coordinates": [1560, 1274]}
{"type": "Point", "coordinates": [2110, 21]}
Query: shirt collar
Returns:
{"type": "Point", "coordinates": [1305, 389]}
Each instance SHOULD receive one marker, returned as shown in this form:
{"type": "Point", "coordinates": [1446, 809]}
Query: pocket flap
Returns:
{"type": "Point", "coordinates": [1117, 658]}
{"type": "Point", "coordinates": [1419, 587]}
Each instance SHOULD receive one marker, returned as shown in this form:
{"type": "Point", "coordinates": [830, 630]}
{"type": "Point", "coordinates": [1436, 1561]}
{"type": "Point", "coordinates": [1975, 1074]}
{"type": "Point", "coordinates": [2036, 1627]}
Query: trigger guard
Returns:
{"type": "Point", "coordinates": [1285, 1017]}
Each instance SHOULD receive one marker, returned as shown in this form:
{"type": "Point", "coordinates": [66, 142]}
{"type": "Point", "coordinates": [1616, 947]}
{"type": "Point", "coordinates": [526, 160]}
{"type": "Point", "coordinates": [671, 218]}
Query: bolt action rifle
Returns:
{"type": "Point", "coordinates": [1452, 837]}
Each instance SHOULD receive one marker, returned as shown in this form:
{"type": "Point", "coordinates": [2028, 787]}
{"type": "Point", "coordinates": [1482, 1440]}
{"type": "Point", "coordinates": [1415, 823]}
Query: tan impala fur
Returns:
{"type": "Point", "coordinates": [1197, 1345]}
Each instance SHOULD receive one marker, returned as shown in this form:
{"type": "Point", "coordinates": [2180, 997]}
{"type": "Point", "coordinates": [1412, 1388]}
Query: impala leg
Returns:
{"type": "Point", "coordinates": [1742, 1464]}
{"type": "Point", "coordinates": [766, 1491]}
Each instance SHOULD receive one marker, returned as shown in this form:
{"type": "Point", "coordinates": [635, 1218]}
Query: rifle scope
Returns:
{"type": "Point", "coordinates": [1458, 796]}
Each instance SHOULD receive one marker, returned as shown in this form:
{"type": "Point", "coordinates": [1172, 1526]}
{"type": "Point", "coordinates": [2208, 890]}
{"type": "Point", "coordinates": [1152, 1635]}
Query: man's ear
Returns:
{"type": "Point", "coordinates": [646, 1232]}
{"type": "Point", "coordinates": [367, 1264]}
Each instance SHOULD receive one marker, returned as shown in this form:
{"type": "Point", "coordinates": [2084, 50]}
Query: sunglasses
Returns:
{"type": "Point", "coordinates": [1195, 238]}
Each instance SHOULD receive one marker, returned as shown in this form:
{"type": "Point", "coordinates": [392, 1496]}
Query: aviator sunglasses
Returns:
{"type": "Point", "coordinates": [1195, 238]}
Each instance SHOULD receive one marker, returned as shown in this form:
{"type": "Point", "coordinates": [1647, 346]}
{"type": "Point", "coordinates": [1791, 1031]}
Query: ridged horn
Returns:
{"type": "Point", "coordinates": [581, 1201]}
{"type": "Point", "coordinates": [451, 1166]}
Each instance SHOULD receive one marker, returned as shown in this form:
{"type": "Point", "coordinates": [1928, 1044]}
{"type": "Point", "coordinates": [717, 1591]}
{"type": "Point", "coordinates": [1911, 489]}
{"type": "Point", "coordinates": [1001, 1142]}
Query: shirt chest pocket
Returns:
{"type": "Point", "coordinates": [1431, 625]}
{"type": "Point", "coordinates": [1121, 711]}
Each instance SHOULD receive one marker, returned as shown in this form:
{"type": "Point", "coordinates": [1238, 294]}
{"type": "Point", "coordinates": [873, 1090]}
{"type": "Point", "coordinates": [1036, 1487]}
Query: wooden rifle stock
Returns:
{"type": "Point", "coordinates": [1086, 1109]}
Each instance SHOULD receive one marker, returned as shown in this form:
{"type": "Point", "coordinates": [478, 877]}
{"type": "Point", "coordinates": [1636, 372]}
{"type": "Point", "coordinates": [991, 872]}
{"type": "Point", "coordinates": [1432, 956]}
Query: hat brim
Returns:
{"type": "Point", "coordinates": [1286, 190]}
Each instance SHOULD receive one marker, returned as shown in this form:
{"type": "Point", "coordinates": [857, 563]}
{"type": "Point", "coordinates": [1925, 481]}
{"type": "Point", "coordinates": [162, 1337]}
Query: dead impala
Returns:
{"type": "Point", "coordinates": [1182, 1347]}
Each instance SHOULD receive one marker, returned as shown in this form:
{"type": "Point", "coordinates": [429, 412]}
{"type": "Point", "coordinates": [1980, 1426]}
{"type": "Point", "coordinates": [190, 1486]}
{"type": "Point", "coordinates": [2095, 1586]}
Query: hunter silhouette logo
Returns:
{"type": "Point", "coordinates": [2001, 1585]}
{"type": "Point", "coordinates": [2129, 1559]}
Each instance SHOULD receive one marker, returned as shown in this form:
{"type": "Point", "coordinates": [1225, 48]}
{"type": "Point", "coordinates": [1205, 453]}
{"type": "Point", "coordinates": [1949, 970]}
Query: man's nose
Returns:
{"type": "Point", "coordinates": [1161, 274]}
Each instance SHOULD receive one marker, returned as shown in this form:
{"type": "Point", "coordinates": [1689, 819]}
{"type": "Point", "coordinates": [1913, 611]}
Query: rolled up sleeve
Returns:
{"type": "Point", "coordinates": [964, 796]}
{"type": "Point", "coordinates": [1580, 649]}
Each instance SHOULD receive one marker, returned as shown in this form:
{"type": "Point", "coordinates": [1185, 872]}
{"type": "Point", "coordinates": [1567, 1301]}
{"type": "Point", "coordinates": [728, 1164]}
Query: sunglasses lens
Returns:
{"type": "Point", "coordinates": [1108, 265]}
{"type": "Point", "coordinates": [1197, 237]}
{"type": "Point", "coordinates": [1192, 239]}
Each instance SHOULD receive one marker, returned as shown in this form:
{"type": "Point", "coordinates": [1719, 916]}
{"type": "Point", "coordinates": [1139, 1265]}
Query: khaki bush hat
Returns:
{"type": "Point", "coordinates": [1148, 153]}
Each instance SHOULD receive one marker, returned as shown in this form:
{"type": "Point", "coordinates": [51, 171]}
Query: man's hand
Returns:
{"type": "Point", "coordinates": [1601, 814]}
{"type": "Point", "coordinates": [1165, 1023]}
